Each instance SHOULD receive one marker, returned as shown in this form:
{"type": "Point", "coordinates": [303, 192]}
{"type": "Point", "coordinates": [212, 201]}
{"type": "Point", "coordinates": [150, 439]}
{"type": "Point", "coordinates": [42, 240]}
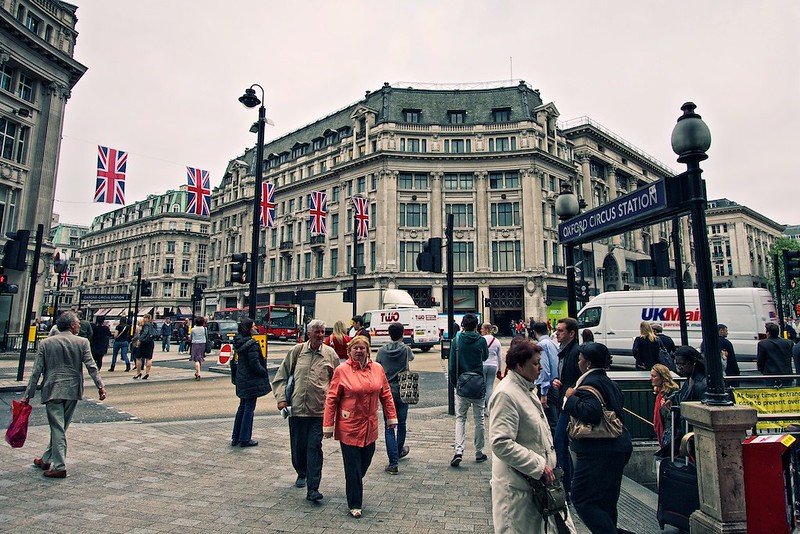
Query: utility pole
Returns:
{"type": "Point", "coordinates": [448, 233]}
{"type": "Point", "coordinates": [37, 252]}
{"type": "Point", "coordinates": [136, 309]}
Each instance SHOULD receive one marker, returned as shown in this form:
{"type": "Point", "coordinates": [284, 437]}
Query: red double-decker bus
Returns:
{"type": "Point", "coordinates": [277, 321]}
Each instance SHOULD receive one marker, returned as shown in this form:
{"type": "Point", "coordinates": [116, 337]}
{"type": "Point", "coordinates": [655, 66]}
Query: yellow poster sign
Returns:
{"type": "Point", "coordinates": [31, 334]}
{"type": "Point", "coordinates": [261, 339]}
{"type": "Point", "coordinates": [769, 401]}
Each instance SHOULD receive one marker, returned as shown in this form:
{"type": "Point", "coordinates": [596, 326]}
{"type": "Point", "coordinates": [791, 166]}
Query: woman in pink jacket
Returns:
{"type": "Point", "coordinates": [351, 415]}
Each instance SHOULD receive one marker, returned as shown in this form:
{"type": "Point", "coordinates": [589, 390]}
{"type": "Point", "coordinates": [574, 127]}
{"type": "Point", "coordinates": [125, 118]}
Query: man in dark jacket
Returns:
{"type": "Point", "coordinates": [358, 328]}
{"type": "Point", "coordinates": [394, 358]}
{"type": "Point", "coordinates": [774, 355]}
{"type": "Point", "coordinates": [166, 334]}
{"type": "Point", "coordinates": [665, 339]}
{"type": "Point", "coordinates": [252, 381]}
{"type": "Point", "coordinates": [728, 354]}
{"type": "Point", "coordinates": [467, 356]}
{"type": "Point", "coordinates": [99, 342]}
{"type": "Point", "coordinates": [568, 374]}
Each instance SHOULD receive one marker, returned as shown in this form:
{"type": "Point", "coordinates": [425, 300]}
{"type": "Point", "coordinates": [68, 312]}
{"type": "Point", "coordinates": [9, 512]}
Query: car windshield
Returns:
{"type": "Point", "coordinates": [228, 325]}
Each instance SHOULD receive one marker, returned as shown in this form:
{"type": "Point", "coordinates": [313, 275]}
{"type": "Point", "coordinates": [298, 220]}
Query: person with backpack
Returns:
{"type": "Point", "coordinates": [465, 373]}
{"type": "Point", "coordinates": [99, 341]}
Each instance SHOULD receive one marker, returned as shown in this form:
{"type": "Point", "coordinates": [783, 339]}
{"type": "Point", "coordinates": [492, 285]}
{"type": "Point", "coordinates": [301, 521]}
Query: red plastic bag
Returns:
{"type": "Point", "coordinates": [18, 429]}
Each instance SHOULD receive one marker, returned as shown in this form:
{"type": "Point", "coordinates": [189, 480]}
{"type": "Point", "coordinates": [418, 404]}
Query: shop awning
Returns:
{"type": "Point", "coordinates": [150, 310]}
{"type": "Point", "coordinates": [101, 312]}
{"type": "Point", "coordinates": [117, 312]}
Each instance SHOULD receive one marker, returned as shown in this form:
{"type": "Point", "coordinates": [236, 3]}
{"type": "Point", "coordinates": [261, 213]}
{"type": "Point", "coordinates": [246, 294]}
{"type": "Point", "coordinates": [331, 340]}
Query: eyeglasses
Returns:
{"type": "Point", "coordinates": [683, 364]}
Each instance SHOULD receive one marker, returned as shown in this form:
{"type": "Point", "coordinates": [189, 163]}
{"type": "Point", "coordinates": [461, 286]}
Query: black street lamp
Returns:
{"type": "Point", "coordinates": [250, 100]}
{"type": "Point", "coordinates": [691, 139]}
{"type": "Point", "coordinates": [567, 207]}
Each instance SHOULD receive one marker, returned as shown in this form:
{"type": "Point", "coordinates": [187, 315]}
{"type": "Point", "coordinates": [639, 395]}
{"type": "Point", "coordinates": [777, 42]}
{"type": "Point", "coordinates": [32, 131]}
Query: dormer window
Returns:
{"type": "Point", "coordinates": [501, 114]}
{"type": "Point", "coordinates": [412, 115]}
{"type": "Point", "coordinates": [456, 116]}
{"type": "Point", "coordinates": [33, 23]}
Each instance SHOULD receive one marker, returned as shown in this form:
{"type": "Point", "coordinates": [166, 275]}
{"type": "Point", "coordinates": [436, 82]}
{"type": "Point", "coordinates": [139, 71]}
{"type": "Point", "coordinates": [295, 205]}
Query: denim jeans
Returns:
{"type": "Point", "coordinates": [462, 405]}
{"type": "Point", "coordinates": [120, 346]}
{"type": "Point", "coordinates": [182, 345]}
{"type": "Point", "coordinates": [243, 424]}
{"type": "Point", "coordinates": [561, 443]}
{"type": "Point", "coordinates": [396, 437]}
{"type": "Point", "coordinates": [165, 343]}
{"type": "Point", "coordinates": [489, 375]}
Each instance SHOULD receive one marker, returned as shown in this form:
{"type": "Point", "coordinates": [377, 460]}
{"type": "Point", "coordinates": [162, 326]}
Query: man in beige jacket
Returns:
{"type": "Point", "coordinates": [60, 359]}
{"type": "Point", "coordinates": [311, 365]}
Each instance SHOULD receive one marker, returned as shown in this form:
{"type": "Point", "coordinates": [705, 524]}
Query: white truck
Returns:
{"type": "Point", "coordinates": [420, 326]}
{"type": "Point", "coordinates": [614, 318]}
{"type": "Point", "coordinates": [331, 307]}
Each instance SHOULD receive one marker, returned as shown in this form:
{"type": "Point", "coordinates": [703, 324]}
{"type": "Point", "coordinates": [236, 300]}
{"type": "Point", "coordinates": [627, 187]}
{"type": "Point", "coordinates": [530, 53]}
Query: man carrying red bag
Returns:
{"type": "Point", "coordinates": [61, 358]}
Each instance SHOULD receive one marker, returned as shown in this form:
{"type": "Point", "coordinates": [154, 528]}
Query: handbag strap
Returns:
{"type": "Point", "coordinates": [596, 393]}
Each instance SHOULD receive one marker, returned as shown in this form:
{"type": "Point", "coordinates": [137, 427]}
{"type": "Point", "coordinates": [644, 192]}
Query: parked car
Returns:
{"type": "Point", "coordinates": [220, 332]}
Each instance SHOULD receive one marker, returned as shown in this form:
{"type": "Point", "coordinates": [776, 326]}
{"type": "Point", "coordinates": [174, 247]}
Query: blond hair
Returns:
{"type": "Point", "coordinates": [339, 330]}
{"type": "Point", "coordinates": [668, 385]}
{"type": "Point", "coordinates": [647, 331]}
{"type": "Point", "coordinates": [359, 339]}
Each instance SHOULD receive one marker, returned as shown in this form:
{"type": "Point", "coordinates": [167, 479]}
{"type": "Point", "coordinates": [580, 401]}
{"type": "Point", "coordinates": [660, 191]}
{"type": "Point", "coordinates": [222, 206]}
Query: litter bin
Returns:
{"type": "Point", "coordinates": [767, 462]}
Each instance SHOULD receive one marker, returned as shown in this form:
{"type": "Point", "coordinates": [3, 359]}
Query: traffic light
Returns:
{"type": "Point", "coordinates": [15, 251]}
{"type": "Point", "coordinates": [239, 268]}
{"type": "Point", "coordinates": [146, 289]}
{"type": "Point", "coordinates": [197, 295]}
{"type": "Point", "coordinates": [5, 287]}
{"type": "Point", "coordinates": [348, 294]}
{"type": "Point", "coordinates": [660, 254]}
{"type": "Point", "coordinates": [430, 259]}
{"type": "Point", "coordinates": [791, 265]}
{"type": "Point", "coordinates": [582, 290]}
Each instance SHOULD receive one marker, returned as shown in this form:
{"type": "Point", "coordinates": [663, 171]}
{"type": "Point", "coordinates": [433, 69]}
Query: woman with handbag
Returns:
{"type": "Point", "coordinates": [394, 358]}
{"type": "Point", "coordinates": [493, 363]}
{"type": "Point", "coordinates": [351, 415]}
{"type": "Point", "coordinates": [600, 442]}
{"type": "Point", "coordinates": [645, 347]}
{"type": "Point", "coordinates": [146, 339]}
{"type": "Point", "coordinates": [199, 339]}
{"type": "Point", "coordinates": [522, 448]}
{"type": "Point", "coordinates": [252, 381]}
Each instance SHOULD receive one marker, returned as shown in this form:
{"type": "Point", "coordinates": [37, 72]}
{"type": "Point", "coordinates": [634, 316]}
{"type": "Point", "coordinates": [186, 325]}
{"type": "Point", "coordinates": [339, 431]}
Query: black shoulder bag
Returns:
{"type": "Point", "coordinates": [550, 500]}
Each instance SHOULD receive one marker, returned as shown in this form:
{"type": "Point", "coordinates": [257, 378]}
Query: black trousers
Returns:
{"type": "Point", "coordinates": [596, 483]}
{"type": "Point", "coordinates": [305, 435]}
{"type": "Point", "coordinates": [356, 462]}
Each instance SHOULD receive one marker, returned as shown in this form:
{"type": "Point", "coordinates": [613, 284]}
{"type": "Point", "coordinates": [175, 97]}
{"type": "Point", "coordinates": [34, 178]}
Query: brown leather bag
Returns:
{"type": "Point", "coordinates": [610, 426]}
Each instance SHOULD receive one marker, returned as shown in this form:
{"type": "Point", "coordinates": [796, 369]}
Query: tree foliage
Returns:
{"type": "Point", "coordinates": [790, 296]}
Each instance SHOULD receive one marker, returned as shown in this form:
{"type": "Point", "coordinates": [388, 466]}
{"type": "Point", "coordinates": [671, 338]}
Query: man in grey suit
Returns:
{"type": "Point", "coordinates": [61, 358]}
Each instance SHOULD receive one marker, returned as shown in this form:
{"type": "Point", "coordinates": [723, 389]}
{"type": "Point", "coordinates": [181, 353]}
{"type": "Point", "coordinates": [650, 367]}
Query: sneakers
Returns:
{"type": "Point", "coordinates": [300, 482]}
{"type": "Point", "coordinates": [391, 469]}
{"type": "Point", "coordinates": [456, 461]}
{"type": "Point", "coordinates": [313, 496]}
{"type": "Point", "coordinates": [404, 451]}
{"type": "Point", "coordinates": [481, 458]}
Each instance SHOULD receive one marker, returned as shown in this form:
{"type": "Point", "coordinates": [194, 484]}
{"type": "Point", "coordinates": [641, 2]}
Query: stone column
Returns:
{"type": "Point", "coordinates": [611, 183]}
{"type": "Point", "coordinates": [530, 210]}
{"type": "Point", "coordinates": [437, 222]}
{"type": "Point", "coordinates": [483, 247]}
{"type": "Point", "coordinates": [367, 145]}
{"type": "Point", "coordinates": [719, 431]}
{"type": "Point", "coordinates": [389, 245]}
{"type": "Point", "coordinates": [586, 171]}
{"type": "Point", "coordinates": [538, 223]}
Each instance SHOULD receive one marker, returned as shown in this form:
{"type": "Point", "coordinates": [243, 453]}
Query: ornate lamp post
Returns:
{"type": "Point", "coordinates": [691, 139]}
{"type": "Point", "coordinates": [567, 207]}
{"type": "Point", "coordinates": [250, 100]}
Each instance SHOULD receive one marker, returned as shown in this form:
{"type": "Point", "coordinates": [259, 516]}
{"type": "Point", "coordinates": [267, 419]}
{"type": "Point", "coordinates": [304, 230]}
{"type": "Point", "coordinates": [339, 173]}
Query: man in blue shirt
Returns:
{"type": "Point", "coordinates": [549, 361]}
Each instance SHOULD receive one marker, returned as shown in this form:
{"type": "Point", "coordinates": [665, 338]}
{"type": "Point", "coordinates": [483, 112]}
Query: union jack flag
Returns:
{"type": "Point", "coordinates": [66, 279]}
{"type": "Point", "coordinates": [111, 165]}
{"type": "Point", "coordinates": [361, 215]}
{"type": "Point", "coordinates": [318, 211]}
{"type": "Point", "coordinates": [266, 214]}
{"type": "Point", "coordinates": [199, 192]}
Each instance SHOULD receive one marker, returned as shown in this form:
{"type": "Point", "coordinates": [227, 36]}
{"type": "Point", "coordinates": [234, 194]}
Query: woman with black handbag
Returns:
{"type": "Point", "coordinates": [523, 454]}
{"type": "Point", "coordinates": [600, 442]}
{"type": "Point", "coordinates": [252, 381]}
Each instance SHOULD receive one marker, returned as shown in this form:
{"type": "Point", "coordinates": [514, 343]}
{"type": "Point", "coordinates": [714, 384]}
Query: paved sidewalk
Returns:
{"type": "Point", "coordinates": [184, 477]}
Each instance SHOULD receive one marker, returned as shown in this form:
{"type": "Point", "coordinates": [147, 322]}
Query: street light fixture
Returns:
{"type": "Point", "coordinates": [250, 100]}
{"type": "Point", "coordinates": [567, 207]}
{"type": "Point", "coordinates": [691, 139]}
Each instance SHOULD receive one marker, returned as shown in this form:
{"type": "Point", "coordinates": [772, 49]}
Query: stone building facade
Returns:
{"type": "Point", "coordinates": [155, 235]}
{"type": "Point", "coordinates": [66, 240]}
{"type": "Point", "coordinates": [741, 241]}
{"type": "Point", "coordinates": [37, 73]}
{"type": "Point", "coordinates": [495, 158]}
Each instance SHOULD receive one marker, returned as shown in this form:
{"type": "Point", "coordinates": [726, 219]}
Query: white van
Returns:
{"type": "Point", "coordinates": [614, 318]}
{"type": "Point", "coordinates": [420, 326]}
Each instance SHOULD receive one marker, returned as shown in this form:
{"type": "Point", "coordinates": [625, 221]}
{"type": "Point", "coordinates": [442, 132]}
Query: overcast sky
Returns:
{"type": "Point", "coordinates": [164, 77]}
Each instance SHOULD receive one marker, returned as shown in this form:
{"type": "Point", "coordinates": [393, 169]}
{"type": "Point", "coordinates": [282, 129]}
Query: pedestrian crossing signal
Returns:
{"type": "Point", "coordinates": [239, 268]}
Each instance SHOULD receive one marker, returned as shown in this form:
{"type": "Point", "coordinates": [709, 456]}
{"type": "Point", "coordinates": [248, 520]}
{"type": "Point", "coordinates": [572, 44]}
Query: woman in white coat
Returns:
{"type": "Point", "coordinates": [521, 443]}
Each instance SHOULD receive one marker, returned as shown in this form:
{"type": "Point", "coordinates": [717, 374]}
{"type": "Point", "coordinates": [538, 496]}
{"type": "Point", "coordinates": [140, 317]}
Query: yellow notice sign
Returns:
{"type": "Point", "coordinates": [769, 401]}
{"type": "Point", "coordinates": [31, 334]}
{"type": "Point", "coordinates": [262, 342]}
{"type": "Point", "coordinates": [787, 440]}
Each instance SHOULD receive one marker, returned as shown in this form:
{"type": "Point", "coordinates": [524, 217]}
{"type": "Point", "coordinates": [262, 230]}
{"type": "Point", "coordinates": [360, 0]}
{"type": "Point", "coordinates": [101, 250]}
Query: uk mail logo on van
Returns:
{"type": "Point", "coordinates": [670, 316]}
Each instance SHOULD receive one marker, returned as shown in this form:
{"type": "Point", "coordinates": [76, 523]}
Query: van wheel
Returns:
{"type": "Point", "coordinates": [426, 348]}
